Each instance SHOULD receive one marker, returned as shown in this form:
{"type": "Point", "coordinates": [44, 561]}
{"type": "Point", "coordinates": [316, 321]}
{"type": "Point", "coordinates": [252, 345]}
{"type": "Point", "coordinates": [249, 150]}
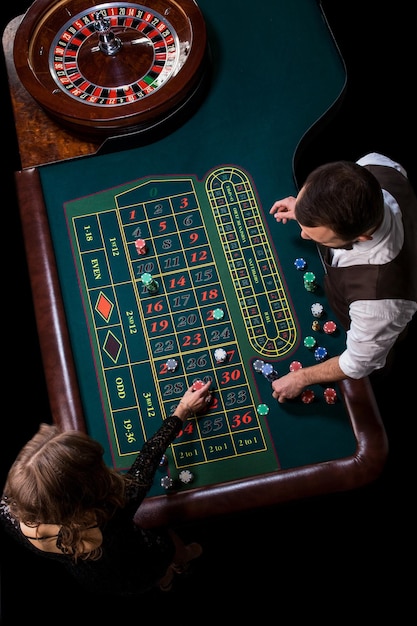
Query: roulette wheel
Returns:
{"type": "Point", "coordinates": [112, 68]}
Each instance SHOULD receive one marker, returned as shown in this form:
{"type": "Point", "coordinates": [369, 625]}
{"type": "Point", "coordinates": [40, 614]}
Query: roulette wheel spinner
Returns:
{"type": "Point", "coordinates": [112, 68]}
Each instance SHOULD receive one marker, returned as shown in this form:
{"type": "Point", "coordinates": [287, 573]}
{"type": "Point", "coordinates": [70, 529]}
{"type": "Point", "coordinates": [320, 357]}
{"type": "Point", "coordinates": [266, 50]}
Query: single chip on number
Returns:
{"type": "Point", "coordinates": [172, 365]}
{"type": "Point", "coordinates": [140, 246]}
{"type": "Point", "coordinates": [220, 355]}
{"type": "Point", "coordinates": [218, 314]}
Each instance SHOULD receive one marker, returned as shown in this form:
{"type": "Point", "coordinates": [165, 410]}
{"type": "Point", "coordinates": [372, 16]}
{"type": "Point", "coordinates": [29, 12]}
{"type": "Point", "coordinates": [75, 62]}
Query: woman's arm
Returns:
{"type": "Point", "coordinates": [147, 462]}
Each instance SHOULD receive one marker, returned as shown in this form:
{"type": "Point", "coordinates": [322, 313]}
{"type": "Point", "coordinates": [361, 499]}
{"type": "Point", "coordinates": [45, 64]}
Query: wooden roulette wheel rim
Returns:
{"type": "Point", "coordinates": [72, 72]}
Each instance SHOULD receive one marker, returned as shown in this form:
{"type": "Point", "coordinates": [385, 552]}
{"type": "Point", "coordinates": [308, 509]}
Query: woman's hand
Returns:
{"type": "Point", "coordinates": [194, 401]}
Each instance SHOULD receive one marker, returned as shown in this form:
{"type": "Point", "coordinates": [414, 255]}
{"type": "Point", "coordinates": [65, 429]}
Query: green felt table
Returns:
{"type": "Point", "coordinates": [199, 197]}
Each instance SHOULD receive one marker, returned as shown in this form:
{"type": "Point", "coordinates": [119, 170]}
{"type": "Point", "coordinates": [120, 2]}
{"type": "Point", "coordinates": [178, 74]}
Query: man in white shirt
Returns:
{"type": "Point", "coordinates": [363, 216]}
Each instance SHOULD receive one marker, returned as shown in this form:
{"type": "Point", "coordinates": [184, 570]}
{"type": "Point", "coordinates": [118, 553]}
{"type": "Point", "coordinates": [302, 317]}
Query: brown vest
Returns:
{"type": "Point", "coordinates": [396, 279]}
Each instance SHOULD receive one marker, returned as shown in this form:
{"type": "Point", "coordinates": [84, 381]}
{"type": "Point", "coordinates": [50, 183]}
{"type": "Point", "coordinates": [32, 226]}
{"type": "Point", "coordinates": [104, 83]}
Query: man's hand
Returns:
{"type": "Point", "coordinates": [291, 385]}
{"type": "Point", "coordinates": [288, 387]}
{"type": "Point", "coordinates": [284, 210]}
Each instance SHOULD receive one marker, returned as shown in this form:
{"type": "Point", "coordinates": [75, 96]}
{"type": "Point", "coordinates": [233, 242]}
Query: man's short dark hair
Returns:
{"type": "Point", "coordinates": [343, 196]}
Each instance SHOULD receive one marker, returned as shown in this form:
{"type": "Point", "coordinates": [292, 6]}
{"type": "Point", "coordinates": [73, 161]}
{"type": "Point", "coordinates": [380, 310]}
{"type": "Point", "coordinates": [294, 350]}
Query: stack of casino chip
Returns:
{"type": "Point", "coordinates": [330, 395]}
{"type": "Point", "coordinates": [150, 283]}
{"type": "Point", "coordinates": [317, 309]}
{"type": "Point", "coordinates": [310, 281]}
{"type": "Point", "coordinates": [269, 372]}
{"type": "Point", "coordinates": [140, 246]}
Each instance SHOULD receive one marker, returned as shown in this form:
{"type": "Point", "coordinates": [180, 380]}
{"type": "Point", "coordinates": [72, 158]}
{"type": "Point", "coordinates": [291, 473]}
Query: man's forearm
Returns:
{"type": "Point", "coordinates": [326, 372]}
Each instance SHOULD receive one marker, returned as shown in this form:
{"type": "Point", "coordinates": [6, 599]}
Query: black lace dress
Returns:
{"type": "Point", "coordinates": [133, 559]}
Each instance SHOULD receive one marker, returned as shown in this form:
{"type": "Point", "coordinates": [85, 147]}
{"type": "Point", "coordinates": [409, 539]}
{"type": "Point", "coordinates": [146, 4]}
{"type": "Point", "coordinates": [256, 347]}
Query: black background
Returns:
{"type": "Point", "coordinates": [328, 558]}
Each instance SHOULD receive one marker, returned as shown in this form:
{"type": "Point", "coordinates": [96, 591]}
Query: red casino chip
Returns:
{"type": "Point", "coordinates": [307, 396]}
{"type": "Point", "coordinates": [140, 246]}
{"type": "Point", "coordinates": [329, 327]}
{"type": "Point", "coordinates": [330, 395]}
